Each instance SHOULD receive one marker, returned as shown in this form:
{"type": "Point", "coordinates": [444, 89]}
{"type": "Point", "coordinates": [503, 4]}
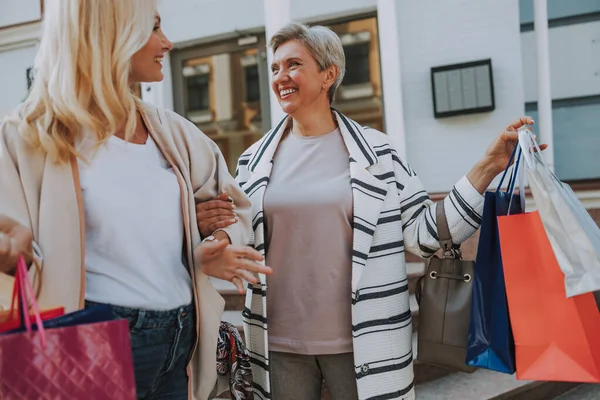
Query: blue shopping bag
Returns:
{"type": "Point", "coordinates": [490, 343]}
{"type": "Point", "coordinates": [100, 313]}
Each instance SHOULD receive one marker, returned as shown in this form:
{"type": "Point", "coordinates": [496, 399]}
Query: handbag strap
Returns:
{"type": "Point", "coordinates": [444, 236]}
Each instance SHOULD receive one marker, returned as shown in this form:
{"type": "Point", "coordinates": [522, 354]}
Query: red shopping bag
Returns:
{"type": "Point", "coordinates": [9, 319]}
{"type": "Point", "coordinates": [91, 361]}
{"type": "Point", "coordinates": [556, 338]}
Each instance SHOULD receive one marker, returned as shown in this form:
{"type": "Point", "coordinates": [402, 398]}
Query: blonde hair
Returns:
{"type": "Point", "coordinates": [323, 43]}
{"type": "Point", "coordinates": [82, 72]}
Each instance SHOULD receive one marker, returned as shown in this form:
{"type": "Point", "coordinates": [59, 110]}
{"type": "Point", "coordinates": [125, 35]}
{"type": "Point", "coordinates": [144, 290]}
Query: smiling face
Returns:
{"type": "Point", "coordinates": [146, 63]}
{"type": "Point", "coordinates": [297, 81]}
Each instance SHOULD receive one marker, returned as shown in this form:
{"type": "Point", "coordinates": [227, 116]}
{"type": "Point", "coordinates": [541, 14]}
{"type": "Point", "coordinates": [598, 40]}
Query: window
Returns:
{"type": "Point", "coordinates": [29, 76]}
{"type": "Point", "coordinates": [221, 87]}
{"type": "Point", "coordinates": [357, 64]}
{"type": "Point", "coordinates": [560, 10]}
{"type": "Point", "coordinates": [198, 92]}
{"type": "Point", "coordinates": [576, 139]}
{"type": "Point", "coordinates": [360, 94]}
{"type": "Point", "coordinates": [252, 83]}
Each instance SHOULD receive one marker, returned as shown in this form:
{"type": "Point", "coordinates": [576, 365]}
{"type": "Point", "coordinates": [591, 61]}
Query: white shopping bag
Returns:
{"type": "Point", "coordinates": [573, 234]}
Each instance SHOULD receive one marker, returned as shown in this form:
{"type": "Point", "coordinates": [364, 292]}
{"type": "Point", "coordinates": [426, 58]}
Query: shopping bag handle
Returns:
{"type": "Point", "coordinates": [532, 152]}
{"type": "Point", "coordinates": [513, 175]}
{"type": "Point", "coordinates": [25, 289]}
{"type": "Point", "coordinates": [14, 304]}
{"type": "Point", "coordinates": [520, 174]}
{"type": "Point", "coordinates": [529, 146]}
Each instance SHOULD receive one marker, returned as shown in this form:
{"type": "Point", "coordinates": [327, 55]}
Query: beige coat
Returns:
{"type": "Point", "coordinates": [46, 197]}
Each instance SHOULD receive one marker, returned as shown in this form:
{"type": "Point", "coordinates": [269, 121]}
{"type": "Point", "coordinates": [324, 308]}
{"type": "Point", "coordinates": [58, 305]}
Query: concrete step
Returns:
{"type": "Point", "coordinates": [488, 385]}
{"type": "Point", "coordinates": [585, 391]}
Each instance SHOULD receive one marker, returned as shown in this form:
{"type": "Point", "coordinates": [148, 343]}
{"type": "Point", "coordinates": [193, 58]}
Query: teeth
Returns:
{"type": "Point", "coordinates": [157, 59]}
{"type": "Point", "coordinates": [287, 91]}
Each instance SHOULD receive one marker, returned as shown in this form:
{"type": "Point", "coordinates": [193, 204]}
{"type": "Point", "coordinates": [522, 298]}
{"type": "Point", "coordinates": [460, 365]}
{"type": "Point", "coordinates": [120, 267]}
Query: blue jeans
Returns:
{"type": "Point", "coordinates": [161, 342]}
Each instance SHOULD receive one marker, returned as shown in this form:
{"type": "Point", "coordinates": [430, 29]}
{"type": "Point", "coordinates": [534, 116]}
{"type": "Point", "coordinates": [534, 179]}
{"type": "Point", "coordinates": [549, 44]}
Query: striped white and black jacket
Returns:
{"type": "Point", "coordinates": [392, 214]}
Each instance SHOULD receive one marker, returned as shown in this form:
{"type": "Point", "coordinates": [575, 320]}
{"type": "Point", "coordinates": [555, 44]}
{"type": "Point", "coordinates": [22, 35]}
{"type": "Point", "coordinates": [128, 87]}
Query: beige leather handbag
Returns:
{"type": "Point", "coordinates": [444, 297]}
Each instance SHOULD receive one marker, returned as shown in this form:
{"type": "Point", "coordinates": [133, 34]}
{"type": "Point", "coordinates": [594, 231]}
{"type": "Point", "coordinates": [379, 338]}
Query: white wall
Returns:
{"type": "Point", "coordinates": [574, 61]}
{"type": "Point", "coordinates": [185, 20]}
{"type": "Point", "coordinates": [13, 78]}
{"type": "Point", "coordinates": [309, 10]}
{"type": "Point", "coordinates": [14, 12]}
{"type": "Point", "coordinates": [434, 33]}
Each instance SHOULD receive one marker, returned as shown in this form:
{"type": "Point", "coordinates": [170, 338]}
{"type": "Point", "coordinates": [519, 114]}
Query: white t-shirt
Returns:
{"type": "Point", "coordinates": [133, 228]}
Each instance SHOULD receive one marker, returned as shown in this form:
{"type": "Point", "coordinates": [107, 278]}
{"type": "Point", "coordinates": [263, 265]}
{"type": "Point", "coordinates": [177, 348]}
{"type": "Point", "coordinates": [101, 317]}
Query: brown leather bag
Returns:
{"type": "Point", "coordinates": [444, 297]}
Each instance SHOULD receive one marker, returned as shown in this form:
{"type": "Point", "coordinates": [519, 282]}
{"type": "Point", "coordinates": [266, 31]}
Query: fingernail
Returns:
{"type": "Point", "coordinates": [234, 220]}
{"type": "Point", "coordinates": [233, 207]}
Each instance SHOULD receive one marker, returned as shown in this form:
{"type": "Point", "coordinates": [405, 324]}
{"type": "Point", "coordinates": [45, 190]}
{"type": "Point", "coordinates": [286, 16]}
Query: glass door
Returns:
{"type": "Point", "coordinates": [223, 88]}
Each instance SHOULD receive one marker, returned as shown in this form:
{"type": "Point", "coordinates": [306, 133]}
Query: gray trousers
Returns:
{"type": "Point", "coordinates": [300, 377]}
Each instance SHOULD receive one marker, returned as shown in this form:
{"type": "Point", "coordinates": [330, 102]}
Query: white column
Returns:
{"type": "Point", "coordinates": [277, 14]}
{"type": "Point", "coordinates": [544, 121]}
{"type": "Point", "coordinates": [391, 73]}
{"type": "Point", "coordinates": [161, 93]}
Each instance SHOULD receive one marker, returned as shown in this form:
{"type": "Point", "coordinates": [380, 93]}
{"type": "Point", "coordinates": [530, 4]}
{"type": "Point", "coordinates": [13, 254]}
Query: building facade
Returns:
{"type": "Point", "coordinates": [218, 77]}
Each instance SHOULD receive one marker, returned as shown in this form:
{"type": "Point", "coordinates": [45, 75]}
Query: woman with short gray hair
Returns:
{"type": "Point", "coordinates": [334, 208]}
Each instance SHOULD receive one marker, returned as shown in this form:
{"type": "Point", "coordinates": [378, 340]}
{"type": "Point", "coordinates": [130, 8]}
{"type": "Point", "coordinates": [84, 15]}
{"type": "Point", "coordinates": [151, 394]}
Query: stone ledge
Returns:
{"type": "Point", "coordinates": [483, 384]}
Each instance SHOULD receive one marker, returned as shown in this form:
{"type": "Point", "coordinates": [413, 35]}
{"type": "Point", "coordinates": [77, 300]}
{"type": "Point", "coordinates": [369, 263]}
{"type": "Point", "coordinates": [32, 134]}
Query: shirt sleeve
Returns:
{"type": "Point", "coordinates": [13, 202]}
{"type": "Point", "coordinates": [219, 180]}
{"type": "Point", "coordinates": [463, 207]}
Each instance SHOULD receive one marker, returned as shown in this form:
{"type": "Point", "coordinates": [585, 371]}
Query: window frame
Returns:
{"type": "Point", "coordinates": [209, 48]}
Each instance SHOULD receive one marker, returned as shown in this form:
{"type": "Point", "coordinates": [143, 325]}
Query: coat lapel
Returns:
{"type": "Point", "coordinates": [368, 193]}
{"type": "Point", "coordinates": [260, 166]}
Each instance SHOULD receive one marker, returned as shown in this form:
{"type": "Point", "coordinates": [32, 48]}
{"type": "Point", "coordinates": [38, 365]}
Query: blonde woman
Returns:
{"type": "Point", "coordinates": [334, 209]}
{"type": "Point", "coordinates": [107, 186]}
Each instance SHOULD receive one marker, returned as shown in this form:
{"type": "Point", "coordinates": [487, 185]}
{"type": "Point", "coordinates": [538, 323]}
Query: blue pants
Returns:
{"type": "Point", "coordinates": [161, 342]}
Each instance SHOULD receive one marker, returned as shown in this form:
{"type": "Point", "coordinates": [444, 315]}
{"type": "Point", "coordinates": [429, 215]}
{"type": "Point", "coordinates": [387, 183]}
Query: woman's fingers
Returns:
{"type": "Point", "coordinates": [239, 284]}
{"type": "Point", "coordinates": [213, 248]}
{"type": "Point", "coordinates": [220, 224]}
{"type": "Point", "coordinates": [519, 123]}
{"type": "Point", "coordinates": [244, 274]}
{"type": "Point", "coordinates": [214, 204]}
{"type": "Point", "coordinates": [223, 196]}
{"type": "Point", "coordinates": [248, 252]}
{"type": "Point", "coordinates": [215, 213]}
{"type": "Point", "coordinates": [253, 266]}
{"type": "Point", "coordinates": [215, 223]}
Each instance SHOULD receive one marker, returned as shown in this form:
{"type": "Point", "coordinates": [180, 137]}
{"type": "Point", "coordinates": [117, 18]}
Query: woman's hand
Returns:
{"type": "Point", "coordinates": [497, 155]}
{"type": "Point", "coordinates": [221, 260]}
{"type": "Point", "coordinates": [214, 214]}
{"type": "Point", "coordinates": [15, 240]}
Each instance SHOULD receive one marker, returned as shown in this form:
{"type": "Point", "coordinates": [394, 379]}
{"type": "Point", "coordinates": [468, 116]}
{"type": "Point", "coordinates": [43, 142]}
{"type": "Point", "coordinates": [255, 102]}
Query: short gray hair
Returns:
{"type": "Point", "coordinates": [324, 45]}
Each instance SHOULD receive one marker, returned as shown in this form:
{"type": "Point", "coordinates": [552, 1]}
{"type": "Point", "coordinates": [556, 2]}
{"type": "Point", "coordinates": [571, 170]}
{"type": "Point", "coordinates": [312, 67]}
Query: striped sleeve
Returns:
{"type": "Point", "coordinates": [463, 206]}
